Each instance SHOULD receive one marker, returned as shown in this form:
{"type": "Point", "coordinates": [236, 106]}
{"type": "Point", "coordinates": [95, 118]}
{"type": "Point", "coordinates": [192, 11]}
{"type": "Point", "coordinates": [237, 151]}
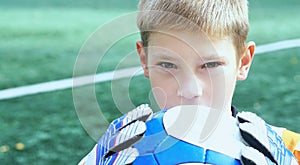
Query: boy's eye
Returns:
{"type": "Point", "coordinates": [167, 65]}
{"type": "Point", "coordinates": [211, 65]}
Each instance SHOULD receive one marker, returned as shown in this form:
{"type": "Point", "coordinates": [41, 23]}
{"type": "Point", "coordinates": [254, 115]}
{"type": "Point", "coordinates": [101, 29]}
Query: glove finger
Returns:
{"type": "Point", "coordinates": [255, 132]}
{"type": "Point", "coordinates": [249, 117]}
{"type": "Point", "coordinates": [126, 157]}
{"type": "Point", "coordinates": [126, 137]}
{"type": "Point", "coordinates": [256, 137]}
{"type": "Point", "coordinates": [141, 113]}
{"type": "Point", "coordinates": [251, 156]}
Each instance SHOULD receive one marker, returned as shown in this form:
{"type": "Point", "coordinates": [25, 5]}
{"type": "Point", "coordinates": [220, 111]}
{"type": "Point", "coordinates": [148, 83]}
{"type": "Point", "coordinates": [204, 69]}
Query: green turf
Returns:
{"type": "Point", "coordinates": [41, 44]}
{"type": "Point", "coordinates": [35, 40]}
{"type": "Point", "coordinates": [46, 125]}
{"type": "Point", "coordinates": [113, 4]}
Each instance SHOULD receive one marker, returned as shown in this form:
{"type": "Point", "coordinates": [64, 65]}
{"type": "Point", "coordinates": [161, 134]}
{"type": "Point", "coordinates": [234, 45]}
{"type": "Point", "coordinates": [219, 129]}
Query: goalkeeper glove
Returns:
{"type": "Point", "coordinates": [115, 146]}
{"type": "Point", "coordinates": [265, 146]}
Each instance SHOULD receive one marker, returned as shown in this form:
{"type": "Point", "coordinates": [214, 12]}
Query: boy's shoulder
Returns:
{"type": "Point", "coordinates": [290, 139]}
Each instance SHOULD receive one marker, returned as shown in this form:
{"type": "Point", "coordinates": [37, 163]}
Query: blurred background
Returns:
{"type": "Point", "coordinates": [40, 41]}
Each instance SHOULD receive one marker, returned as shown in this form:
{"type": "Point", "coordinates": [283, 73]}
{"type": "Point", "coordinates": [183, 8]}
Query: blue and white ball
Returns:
{"type": "Point", "coordinates": [175, 136]}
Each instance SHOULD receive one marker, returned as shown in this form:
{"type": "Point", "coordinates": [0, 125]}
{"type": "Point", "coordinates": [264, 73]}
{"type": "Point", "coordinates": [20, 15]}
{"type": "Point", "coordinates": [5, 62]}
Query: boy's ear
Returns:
{"type": "Point", "coordinates": [245, 61]}
{"type": "Point", "coordinates": [143, 58]}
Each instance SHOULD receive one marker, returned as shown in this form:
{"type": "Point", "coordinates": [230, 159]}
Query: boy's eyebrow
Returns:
{"type": "Point", "coordinates": [165, 56]}
{"type": "Point", "coordinates": [212, 57]}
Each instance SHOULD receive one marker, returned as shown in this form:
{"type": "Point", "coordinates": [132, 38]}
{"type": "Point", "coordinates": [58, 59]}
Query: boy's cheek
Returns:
{"type": "Point", "coordinates": [160, 97]}
{"type": "Point", "coordinates": [164, 90]}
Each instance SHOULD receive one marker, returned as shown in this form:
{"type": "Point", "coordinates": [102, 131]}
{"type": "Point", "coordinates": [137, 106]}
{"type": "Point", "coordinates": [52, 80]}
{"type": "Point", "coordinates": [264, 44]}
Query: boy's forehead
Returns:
{"type": "Point", "coordinates": [182, 41]}
{"type": "Point", "coordinates": [186, 37]}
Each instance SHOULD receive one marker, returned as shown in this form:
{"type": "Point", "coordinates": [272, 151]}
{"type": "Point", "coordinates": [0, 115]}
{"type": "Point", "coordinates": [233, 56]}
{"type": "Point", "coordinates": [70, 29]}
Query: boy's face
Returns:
{"type": "Point", "coordinates": [188, 68]}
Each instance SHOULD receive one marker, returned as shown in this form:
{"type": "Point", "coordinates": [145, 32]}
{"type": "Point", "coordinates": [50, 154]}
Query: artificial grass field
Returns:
{"type": "Point", "coordinates": [40, 43]}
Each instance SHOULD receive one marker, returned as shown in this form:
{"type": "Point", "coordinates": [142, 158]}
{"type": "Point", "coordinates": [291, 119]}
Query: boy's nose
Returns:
{"type": "Point", "coordinates": [190, 88]}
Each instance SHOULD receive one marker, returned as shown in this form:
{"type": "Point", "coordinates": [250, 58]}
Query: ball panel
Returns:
{"type": "Point", "coordinates": [188, 122]}
{"type": "Point", "coordinates": [213, 157]}
{"type": "Point", "coordinates": [173, 151]}
{"type": "Point", "coordinates": [148, 159]}
{"type": "Point", "coordinates": [155, 133]}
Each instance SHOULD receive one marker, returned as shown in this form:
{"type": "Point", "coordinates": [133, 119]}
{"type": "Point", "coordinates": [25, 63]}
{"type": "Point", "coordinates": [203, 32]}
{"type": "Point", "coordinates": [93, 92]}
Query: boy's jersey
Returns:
{"type": "Point", "coordinates": [290, 139]}
{"type": "Point", "coordinates": [292, 142]}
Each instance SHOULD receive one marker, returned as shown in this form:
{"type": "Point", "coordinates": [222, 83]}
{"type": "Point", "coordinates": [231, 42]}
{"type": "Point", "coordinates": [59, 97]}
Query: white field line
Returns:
{"type": "Point", "coordinates": [68, 83]}
{"type": "Point", "coordinates": [272, 47]}
{"type": "Point", "coordinates": [113, 75]}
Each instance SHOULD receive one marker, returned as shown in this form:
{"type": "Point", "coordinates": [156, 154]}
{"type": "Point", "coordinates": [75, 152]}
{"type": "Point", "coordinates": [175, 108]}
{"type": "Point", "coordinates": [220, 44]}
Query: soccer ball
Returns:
{"type": "Point", "coordinates": [190, 135]}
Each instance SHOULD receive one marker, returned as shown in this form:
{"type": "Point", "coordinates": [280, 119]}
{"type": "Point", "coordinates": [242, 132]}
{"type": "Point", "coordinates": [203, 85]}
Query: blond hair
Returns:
{"type": "Point", "coordinates": [216, 18]}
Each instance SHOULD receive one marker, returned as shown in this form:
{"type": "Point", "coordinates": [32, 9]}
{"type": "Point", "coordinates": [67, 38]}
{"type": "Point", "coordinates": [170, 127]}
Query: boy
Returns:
{"type": "Point", "coordinates": [192, 51]}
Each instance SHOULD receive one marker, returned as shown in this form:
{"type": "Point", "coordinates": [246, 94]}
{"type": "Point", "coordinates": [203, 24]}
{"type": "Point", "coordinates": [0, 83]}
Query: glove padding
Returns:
{"type": "Point", "coordinates": [266, 147]}
{"type": "Point", "coordinates": [115, 146]}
